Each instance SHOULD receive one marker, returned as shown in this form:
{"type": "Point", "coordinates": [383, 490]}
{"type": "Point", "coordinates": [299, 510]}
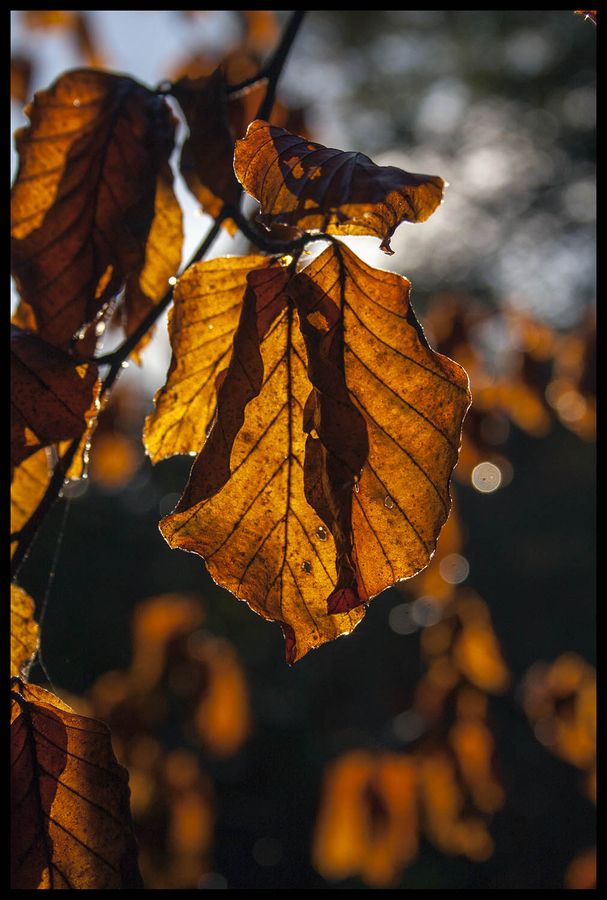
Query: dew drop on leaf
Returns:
{"type": "Point", "coordinates": [388, 502]}
{"type": "Point", "coordinates": [321, 533]}
{"type": "Point", "coordinates": [306, 566]}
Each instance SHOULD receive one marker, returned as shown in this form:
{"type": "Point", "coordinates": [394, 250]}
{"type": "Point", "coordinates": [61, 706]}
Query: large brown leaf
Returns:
{"type": "Point", "coordinates": [53, 397]}
{"type": "Point", "coordinates": [70, 820]}
{"type": "Point", "coordinates": [313, 187]}
{"type": "Point", "coordinates": [244, 509]}
{"type": "Point", "coordinates": [202, 324]}
{"type": "Point", "coordinates": [85, 194]}
{"type": "Point", "coordinates": [413, 400]}
{"type": "Point", "coordinates": [325, 477]}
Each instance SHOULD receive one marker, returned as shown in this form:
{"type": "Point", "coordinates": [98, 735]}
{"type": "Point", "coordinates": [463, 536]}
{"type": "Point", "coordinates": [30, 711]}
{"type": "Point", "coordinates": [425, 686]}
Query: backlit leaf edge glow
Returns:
{"type": "Point", "coordinates": [341, 428]}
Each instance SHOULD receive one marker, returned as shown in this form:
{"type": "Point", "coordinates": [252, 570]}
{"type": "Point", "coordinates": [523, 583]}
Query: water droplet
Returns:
{"type": "Point", "coordinates": [76, 102]}
{"type": "Point", "coordinates": [172, 280]}
{"type": "Point", "coordinates": [321, 533]}
{"type": "Point", "coordinates": [388, 502]}
{"type": "Point", "coordinates": [306, 566]}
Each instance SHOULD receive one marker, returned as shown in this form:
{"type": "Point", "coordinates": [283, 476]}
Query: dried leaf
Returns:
{"type": "Point", "coordinates": [24, 631]}
{"type": "Point", "coordinates": [70, 820]}
{"type": "Point", "coordinates": [325, 476]}
{"type": "Point", "coordinates": [207, 153]}
{"type": "Point", "coordinates": [84, 198]}
{"type": "Point", "coordinates": [29, 483]}
{"type": "Point", "coordinates": [412, 401]}
{"type": "Point", "coordinates": [53, 398]}
{"type": "Point", "coordinates": [301, 183]}
{"type": "Point", "coordinates": [202, 324]}
{"type": "Point", "coordinates": [246, 512]}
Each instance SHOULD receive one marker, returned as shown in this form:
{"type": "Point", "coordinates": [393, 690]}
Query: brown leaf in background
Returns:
{"type": "Point", "coordinates": [70, 820]}
{"type": "Point", "coordinates": [24, 631]}
{"type": "Point", "coordinates": [84, 198]}
{"type": "Point", "coordinates": [207, 153]}
{"type": "Point", "coordinates": [412, 400]}
{"type": "Point", "coordinates": [301, 183]}
{"type": "Point", "coordinates": [53, 398]}
{"type": "Point", "coordinates": [202, 323]}
{"type": "Point", "coordinates": [246, 512]}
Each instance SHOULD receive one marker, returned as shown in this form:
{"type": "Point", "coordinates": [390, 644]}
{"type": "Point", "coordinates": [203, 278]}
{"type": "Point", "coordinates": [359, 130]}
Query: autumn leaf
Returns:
{"type": "Point", "coordinates": [301, 183]}
{"type": "Point", "coordinates": [202, 323]}
{"type": "Point", "coordinates": [246, 512]}
{"type": "Point", "coordinates": [325, 476]}
{"type": "Point", "coordinates": [24, 631]}
{"type": "Point", "coordinates": [84, 198]}
{"type": "Point", "coordinates": [29, 483]}
{"type": "Point", "coordinates": [53, 397]}
{"type": "Point", "coordinates": [412, 401]}
{"type": "Point", "coordinates": [207, 153]}
{"type": "Point", "coordinates": [70, 818]}
{"type": "Point", "coordinates": [368, 822]}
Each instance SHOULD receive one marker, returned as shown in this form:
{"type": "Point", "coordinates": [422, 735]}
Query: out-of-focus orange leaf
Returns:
{"type": "Point", "coordinates": [53, 398]}
{"type": "Point", "coordinates": [157, 622]}
{"type": "Point", "coordinates": [368, 818]}
{"type": "Point", "coordinates": [70, 821]}
{"type": "Point", "coordinates": [84, 198]}
{"type": "Point", "coordinates": [560, 701]}
{"type": "Point", "coordinates": [244, 508]}
{"type": "Point", "coordinates": [581, 872]}
{"type": "Point", "coordinates": [476, 650]}
{"type": "Point", "coordinates": [24, 632]}
{"type": "Point", "coordinates": [223, 716]}
{"type": "Point", "coordinates": [202, 323]}
{"type": "Point", "coordinates": [316, 188]}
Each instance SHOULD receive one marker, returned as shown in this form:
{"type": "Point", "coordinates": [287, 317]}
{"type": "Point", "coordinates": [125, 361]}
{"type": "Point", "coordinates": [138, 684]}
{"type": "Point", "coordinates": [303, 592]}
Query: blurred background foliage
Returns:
{"type": "Point", "coordinates": [449, 742]}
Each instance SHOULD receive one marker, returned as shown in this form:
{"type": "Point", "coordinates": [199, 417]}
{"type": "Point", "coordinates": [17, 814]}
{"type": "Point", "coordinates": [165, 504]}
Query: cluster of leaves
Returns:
{"type": "Point", "coordinates": [326, 427]}
{"type": "Point", "coordinates": [376, 804]}
{"type": "Point", "coordinates": [332, 425]}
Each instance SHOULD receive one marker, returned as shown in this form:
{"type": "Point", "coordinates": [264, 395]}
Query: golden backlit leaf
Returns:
{"type": "Point", "coordinates": [70, 819]}
{"type": "Point", "coordinates": [29, 483]}
{"type": "Point", "coordinates": [301, 183]}
{"type": "Point", "coordinates": [24, 631]}
{"type": "Point", "coordinates": [223, 716]}
{"type": "Point", "coordinates": [53, 398]}
{"type": "Point", "coordinates": [412, 401]}
{"type": "Point", "coordinates": [246, 511]}
{"type": "Point", "coordinates": [84, 198]}
{"type": "Point", "coordinates": [368, 820]}
{"type": "Point", "coordinates": [202, 324]}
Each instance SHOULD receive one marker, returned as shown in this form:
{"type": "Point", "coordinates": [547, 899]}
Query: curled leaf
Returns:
{"type": "Point", "coordinates": [301, 183]}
